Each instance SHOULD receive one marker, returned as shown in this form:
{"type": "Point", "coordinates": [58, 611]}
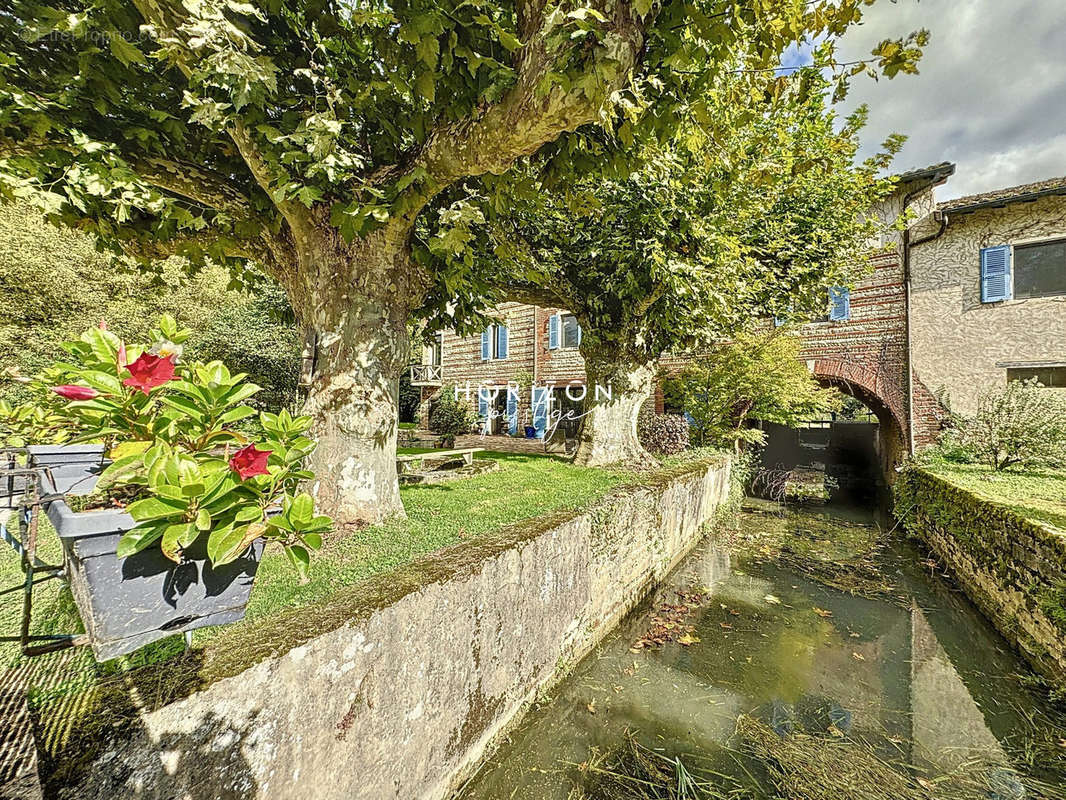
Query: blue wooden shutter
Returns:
{"type": "Point", "coordinates": [501, 341]}
{"type": "Point", "coordinates": [512, 410]}
{"type": "Point", "coordinates": [553, 332]}
{"type": "Point", "coordinates": [482, 403]}
{"type": "Point", "coordinates": [485, 344]}
{"type": "Point", "coordinates": [540, 411]}
{"type": "Point", "coordinates": [578, 335]}
{"type": "Point", "coordinates": [995, 274]}
{"type": "Point", "coordinates": [839, 303]}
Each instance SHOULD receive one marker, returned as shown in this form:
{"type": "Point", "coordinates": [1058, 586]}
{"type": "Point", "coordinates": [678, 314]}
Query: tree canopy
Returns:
{"type": "Point", "coordinates": [750, 214]}
{"type": "Point", "coordinates": [309, 136]}
{"type": "Point", "coordinates": [212, 127]}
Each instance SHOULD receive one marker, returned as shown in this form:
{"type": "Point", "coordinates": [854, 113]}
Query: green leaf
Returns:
{"type": "Point", "coordinates": [235, 414]}
{"type": "Point", "coordinates": [301, 510]}
{"type": "Point", "coordinates": [124, 51]}
{"type": "Point", "coordinates": [299, 558]}
{"type": "Point", "coordinates": [176, 538]}
{"type": "Point", "coordinates": [137, 539]}
{"type": "Point", "coordinates": [203, 519]}
{"type": "Point", "coordinates": [220, 541]}
{"type": "Point", "coordinates": [155, 508]}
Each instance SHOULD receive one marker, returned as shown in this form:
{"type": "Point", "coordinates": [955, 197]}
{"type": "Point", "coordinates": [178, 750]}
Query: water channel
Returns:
{"type": "Point", "coordinates": [807, 654]}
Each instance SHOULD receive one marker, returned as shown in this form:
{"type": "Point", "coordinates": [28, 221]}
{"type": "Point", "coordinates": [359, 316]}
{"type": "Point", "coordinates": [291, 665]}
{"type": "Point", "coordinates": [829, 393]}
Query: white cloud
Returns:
{"type": "Point", "coordinates": [991, 95]}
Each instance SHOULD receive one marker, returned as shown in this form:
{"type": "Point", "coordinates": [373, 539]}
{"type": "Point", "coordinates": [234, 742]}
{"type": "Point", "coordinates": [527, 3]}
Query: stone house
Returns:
{"type": "Point", "coordinates": [988, 292]}
{"type": "Point", "coordinates": [969, 293]}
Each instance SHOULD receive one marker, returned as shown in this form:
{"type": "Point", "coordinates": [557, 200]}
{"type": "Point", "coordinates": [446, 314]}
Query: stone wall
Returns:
{"type": "Point", "coordinates": [419, 673]}
{"type": "Point", "coordinates": [1013, 568]}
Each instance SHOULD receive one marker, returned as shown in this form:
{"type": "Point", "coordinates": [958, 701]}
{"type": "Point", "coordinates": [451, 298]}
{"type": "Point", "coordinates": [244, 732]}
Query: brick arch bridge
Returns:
{"type": "Point", "coordinates": [866, 356]}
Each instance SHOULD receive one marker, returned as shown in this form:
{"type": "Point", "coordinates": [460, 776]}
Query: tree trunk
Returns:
{"type": "Point", "coordinates": [353, 398]}
{"type": "Point", "coordinates": [356, 300]}
{"type": "Point", "coordinates": [609, 427]}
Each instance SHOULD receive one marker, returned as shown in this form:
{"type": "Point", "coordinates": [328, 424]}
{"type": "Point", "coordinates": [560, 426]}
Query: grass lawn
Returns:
{"type": "Point", "coordinates": [525, 486]}
{"type": "Point", "coordinates": [1039, 494]}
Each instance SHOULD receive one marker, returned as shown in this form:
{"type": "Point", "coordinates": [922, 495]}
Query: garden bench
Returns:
{"type": "Point", "coordinates": [467, 454]}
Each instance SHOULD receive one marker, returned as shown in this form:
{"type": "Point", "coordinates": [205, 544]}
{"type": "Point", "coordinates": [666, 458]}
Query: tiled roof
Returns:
{"type": "Point", "coordinates": [1001, 197]}
{"type": "Point", "coordinates": [944, 169]}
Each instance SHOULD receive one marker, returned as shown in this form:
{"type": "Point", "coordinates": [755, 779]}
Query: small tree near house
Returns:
{"type": "Point", "coordinates": [450, 416]}
{"type": "Point", "coordinates": [1019, 424]}
{"type": "Point", "coordinates": [757, 376]}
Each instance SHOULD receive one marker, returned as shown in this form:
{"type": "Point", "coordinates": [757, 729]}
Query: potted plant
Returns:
{"type": "Point", "coordinates": [171, 535]}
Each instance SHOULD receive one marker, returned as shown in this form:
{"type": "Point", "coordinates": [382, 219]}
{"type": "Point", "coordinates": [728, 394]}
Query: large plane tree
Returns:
{"type": "Point", "coordinates": [309, 136]}
{"type": "Point", "coordinates": [749, 212]}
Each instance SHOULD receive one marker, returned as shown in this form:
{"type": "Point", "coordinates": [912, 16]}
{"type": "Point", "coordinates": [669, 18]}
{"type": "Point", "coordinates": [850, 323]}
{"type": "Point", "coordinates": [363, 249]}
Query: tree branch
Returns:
{"type": "Point", "coordinates": [195, 183]}
{"type": "Point", "coordinates": [528, 117]}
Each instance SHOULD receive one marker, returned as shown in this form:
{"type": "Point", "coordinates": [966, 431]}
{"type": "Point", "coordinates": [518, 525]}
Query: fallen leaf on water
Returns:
{"type": "Point", "coordinates": [771, 599]}
{"type": "Point", "coordinates": [858, 656]}
{"type": "Point", "coordinates": [835, 731]}
{"type": "Point", "coordinates": [688, 639]}
{"type": "Point", "coordinates": [854, 635]}
{"type": "Point", "coordinates": [591, 706]}
{"type": "Point", "coordinates": [726, 626]}
{"type": "Point", "coordinates": [821, 612]}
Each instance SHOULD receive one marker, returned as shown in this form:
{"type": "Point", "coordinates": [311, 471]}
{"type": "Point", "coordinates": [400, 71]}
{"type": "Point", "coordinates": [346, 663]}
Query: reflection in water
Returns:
{"type": "Point", "coordinates": [915, 675]}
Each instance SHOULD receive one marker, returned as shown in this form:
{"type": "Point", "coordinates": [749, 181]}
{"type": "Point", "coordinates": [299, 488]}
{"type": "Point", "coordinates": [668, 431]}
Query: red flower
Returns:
{"type": "Point", "coordinates": [71, 392]}
{"type": "Point", "coordinates": [248, 461]}
{"type": "Point", "coordinates": [149, 371]}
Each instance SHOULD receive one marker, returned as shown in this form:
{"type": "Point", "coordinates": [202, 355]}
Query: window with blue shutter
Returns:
{"type": "Point", "coordinates": [482, 403]}
{"type": "Point", "coordinates": [485, 344]}
{"type": "Point", "coordinates": [501, 341]}
{"type": "Point", "coordinates": [839, 303]}
{"type": "Point", "coordinates": [540, 411]}
{"type": "Point", "coordinates": [995, 274]}
{"type": "Point", "coordinates": [553, 332]}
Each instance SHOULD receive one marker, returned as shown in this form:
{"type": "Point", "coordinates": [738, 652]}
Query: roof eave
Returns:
{"type": "Point", "coordinates": [1001, 202]}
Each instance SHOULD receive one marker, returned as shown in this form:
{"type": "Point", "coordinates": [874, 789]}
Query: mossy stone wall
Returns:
{"type": "Point", "coordinates": [1013, 568]}
{"type": "Point", "coordinates": [397, 687]}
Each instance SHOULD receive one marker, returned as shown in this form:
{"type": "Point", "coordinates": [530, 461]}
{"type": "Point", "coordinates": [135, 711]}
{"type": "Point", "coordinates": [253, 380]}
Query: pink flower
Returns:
{"type": "Point", "coordinates": [249, 461]}
{"type": "Point", "coordinates": [121, 354]}
{"type": "Point", "coordinates": [149, 371]}
{"type": "Point", "coordinates": [71, 392]}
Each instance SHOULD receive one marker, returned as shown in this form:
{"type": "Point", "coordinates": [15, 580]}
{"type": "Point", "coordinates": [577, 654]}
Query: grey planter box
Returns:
{"type": "Point", "coordinates": [68, 468]}
{"type": "Point", "coordinates": [128, 602]}
{"type": "Point", "coordinates": [64, 469]}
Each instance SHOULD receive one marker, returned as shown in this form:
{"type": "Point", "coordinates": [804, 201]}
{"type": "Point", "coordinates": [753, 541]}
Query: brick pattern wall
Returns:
{"type": "Point", "coordinates": [561, 366]}
{"type": "Point", "coordinates": [866, 355]}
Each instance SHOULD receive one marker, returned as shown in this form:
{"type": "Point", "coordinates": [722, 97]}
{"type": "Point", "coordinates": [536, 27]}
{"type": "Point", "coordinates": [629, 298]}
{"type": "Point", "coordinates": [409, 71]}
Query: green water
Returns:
{"type": "Point", "coordinates": [910, 670]}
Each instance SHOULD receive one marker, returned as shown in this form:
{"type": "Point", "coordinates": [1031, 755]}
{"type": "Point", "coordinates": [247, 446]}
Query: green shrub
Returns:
{"type": "Point", "coordinates": [450, 417]}
{"type": "Point", "coordinates": [1018, 424]}
{"type": "Point", "coordinates": [755, 376]}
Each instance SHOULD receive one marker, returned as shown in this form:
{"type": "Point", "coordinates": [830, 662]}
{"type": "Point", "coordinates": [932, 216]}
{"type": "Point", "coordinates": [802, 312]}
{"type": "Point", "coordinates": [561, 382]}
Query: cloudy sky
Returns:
{"type": "Point", "coordinates": [991, 95]}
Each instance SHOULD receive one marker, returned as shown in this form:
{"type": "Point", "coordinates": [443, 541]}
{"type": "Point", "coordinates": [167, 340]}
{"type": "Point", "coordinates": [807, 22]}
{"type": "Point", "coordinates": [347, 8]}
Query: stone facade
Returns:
{"type": "Point", "coordinates": [420, 671]}
{"type": "Point", "coordinates": [959, 345]}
